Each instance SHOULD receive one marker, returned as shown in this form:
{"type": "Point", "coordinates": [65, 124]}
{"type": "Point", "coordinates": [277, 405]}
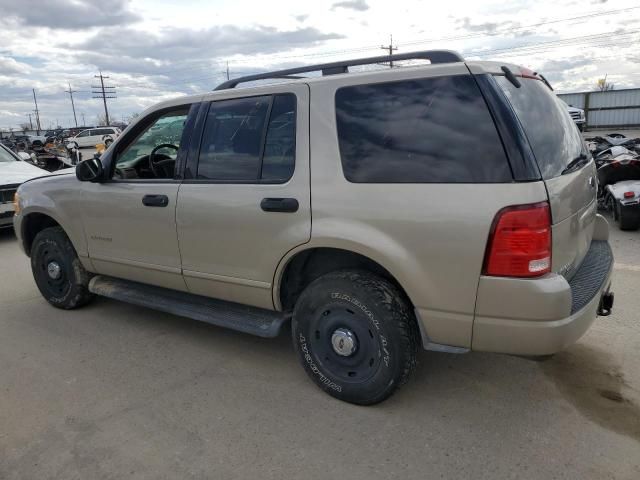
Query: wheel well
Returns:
{"type": "Point", "coordinates": [308, 265]}
{"type": "Point", "coordinates": [31, 225]}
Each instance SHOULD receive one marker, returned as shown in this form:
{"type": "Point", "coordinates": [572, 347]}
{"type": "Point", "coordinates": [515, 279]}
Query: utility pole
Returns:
{"type": "Point", "coordinates": [104, 93]}
{"type": "Point", "coordinates": [84, 124]}
{"type": "Point", "coordinates": [227, 70]}
{"type": "Point", "coordinates": [390, 48]}
{"type": "Point", "coordinates": [71, 92]}
{"type": "Point", "coordinates": [36, 110]}
{"type": "Point", "coordinates": [30, 122]}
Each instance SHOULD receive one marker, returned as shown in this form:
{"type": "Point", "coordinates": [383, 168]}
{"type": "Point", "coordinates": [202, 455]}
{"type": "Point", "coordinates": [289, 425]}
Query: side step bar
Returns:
{"type": "Point", "coordinates": [252, 320]}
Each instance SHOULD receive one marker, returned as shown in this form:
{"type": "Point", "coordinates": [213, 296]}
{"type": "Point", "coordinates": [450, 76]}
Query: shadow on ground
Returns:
{"type": "Point", "coordinates": [594, 384]}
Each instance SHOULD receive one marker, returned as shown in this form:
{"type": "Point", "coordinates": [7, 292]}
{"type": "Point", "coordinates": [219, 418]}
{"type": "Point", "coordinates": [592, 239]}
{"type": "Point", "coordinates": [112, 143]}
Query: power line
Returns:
{"type": "Point", "coordinates": [390, 48]}
{"type": "Point", "coordinates": [35, 101]}
{"type": "Point", "coordinates": [104, 93]}
{"type": "Point", "coordinates": [414, 42]}
{"type": "Point", "coordinates": [71, 92]}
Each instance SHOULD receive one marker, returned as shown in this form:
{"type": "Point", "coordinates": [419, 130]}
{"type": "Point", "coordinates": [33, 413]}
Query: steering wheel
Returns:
{"type": "Point", "coordinates": [163, 167]}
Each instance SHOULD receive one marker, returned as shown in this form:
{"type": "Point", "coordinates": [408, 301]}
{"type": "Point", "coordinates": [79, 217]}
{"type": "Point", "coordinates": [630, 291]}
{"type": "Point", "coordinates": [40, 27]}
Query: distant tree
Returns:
{"type": "Point", "coordinates": [101, 120]}
{"type": "Point", "coordinates": [25, 126]}
{"type": "Point", "coordinates": [603, 86]}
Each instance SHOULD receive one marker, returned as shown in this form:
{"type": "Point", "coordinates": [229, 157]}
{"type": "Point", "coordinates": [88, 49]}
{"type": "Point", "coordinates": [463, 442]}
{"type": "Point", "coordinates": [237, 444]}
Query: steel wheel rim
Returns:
{"type": "Point", "coordinates": [356, 365]}
{"type": "Point", "coordinates": [59, 285]}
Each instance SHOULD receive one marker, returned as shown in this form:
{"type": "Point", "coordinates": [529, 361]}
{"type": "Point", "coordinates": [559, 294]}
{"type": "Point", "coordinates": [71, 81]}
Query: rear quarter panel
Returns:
{"type": "Point", "coordinates": [430, 237]}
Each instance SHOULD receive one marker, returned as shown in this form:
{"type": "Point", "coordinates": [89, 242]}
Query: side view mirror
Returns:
{"type": "Point", "coordinates": [24, 156]}
{"type": "Point", "coordinates": [89, 170]}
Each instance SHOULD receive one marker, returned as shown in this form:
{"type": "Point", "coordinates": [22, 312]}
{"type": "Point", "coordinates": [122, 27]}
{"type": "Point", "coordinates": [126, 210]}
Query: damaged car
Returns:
{"type": "Point", "coordinates": [14, 170]}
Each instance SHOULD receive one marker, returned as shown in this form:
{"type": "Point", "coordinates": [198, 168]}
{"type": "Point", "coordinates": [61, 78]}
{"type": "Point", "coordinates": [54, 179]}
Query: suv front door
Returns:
{"type": "Point", "coordinates": [245, 199]}
{"type": "Point", "coordinates": [129, 220]}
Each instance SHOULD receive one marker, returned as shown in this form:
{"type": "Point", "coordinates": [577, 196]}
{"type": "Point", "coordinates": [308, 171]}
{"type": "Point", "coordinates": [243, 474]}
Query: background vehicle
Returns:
{"type": "Point", "coordinates": [619, 185]}
{"type": "Point", "coordinates": [577, 114]}
{"type": "Point", "coordinates": [93, 136]}
{"type": "Point", "coordinates": [434, 225]}
{"type": "Point", "coordinates": [13, 171]}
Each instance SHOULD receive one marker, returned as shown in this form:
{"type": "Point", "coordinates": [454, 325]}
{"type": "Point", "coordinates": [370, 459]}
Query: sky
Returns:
{"type": "Point", "coordinates": [153, 50]}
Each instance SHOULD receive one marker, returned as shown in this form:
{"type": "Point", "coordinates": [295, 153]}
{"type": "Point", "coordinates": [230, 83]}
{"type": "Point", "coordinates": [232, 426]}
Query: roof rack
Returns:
{"type": "Point", "coordinates": [435, 56]}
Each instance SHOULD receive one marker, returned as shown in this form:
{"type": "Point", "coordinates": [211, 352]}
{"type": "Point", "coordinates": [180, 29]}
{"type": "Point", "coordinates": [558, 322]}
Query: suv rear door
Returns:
{"type": "Point", "coordinates": [566, 167]}
{"type": "Point", "coordinates": [245, 199]}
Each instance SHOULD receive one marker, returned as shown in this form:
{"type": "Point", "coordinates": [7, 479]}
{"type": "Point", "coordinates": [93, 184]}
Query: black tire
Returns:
{"type": "Point", "coordinates": [361, 308]}
{"type": "Point", "coordinates": [57, 271]}
{"type": "Point", "coordinates": [108, 142]}
{"type": "Point", "coordinates": [626, 219]}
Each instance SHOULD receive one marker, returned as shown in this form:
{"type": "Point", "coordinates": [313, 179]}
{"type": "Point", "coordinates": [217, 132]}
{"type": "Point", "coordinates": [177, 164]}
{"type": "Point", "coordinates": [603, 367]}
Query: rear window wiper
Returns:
{"type": "Point", "coordinates": [576, 163]}
{"type": "Point", "coordinates": [510, 76]}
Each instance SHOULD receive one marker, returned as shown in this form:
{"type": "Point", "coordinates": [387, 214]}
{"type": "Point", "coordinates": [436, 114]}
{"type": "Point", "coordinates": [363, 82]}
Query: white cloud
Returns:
{"type": "Point", "coordinates": [154, 49]}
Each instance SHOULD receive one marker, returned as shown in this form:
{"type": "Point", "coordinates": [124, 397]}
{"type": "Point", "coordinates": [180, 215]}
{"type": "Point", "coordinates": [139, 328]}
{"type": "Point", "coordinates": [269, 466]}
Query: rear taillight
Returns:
{"type": "Point", "coordinates": [629, 194]}
{"type": "Point", "coordinates": [520, 242]}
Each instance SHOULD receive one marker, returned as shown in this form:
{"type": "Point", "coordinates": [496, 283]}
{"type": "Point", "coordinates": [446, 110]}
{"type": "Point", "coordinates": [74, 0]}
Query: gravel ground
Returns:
{"type": "Point", "coordinates": [117, 391]}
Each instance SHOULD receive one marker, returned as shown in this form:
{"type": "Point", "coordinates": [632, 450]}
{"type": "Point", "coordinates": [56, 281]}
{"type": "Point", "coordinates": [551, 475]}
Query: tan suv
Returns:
{"type": "Point", "coordinates": [449, 206]}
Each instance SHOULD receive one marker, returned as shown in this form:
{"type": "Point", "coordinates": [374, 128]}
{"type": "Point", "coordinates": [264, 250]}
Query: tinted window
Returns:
{"type": "Point", "coordinates": [236, 147]}
{"type": "Point", "coordinates": [230, 148]}
{"type": "Point", "coordinates": [435, 130]}
{"type": "Point", "coordinates": [554, 138]}
{"type": "Point", "coordinates": [280, 145]}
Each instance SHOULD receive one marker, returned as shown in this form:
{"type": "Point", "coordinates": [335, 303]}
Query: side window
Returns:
{"type": "Point", "coordinates": [280, 144]}
{"type": "Point", "coordinates": [432, 130]}
{"type": "Point", "coordinates": [161, 136]}
{"type": "Point", "coordinates": [249, 139]}
{"type": "Point", "coordinates": [232, 138]}
{"type": "Point", "coordinates": [84, 134]}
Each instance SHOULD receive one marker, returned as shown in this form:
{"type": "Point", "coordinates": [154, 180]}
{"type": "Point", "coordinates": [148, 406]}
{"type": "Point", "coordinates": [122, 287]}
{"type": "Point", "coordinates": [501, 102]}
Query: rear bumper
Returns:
{"type": "Point", "coordinates": [541, 316]}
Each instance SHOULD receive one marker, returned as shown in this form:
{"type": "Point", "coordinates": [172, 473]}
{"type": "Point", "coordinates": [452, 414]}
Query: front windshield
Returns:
{"type": "Point", "coordinates": [5, 156]}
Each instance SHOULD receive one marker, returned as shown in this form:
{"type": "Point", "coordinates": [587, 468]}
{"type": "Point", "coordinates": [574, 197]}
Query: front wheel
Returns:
{"type": "Point", "coordinates": [355, 335]}
{"type": "Point", "coordinates": [59, 275]}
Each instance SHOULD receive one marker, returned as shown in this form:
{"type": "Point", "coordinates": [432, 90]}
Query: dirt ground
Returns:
{"type": "Point", "coordinates": [117, 391]}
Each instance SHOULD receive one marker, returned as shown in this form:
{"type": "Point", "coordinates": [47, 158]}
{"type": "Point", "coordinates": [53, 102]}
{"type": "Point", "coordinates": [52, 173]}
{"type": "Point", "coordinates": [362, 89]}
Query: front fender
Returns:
{"type": "Point", "coordinates": [58, 198]}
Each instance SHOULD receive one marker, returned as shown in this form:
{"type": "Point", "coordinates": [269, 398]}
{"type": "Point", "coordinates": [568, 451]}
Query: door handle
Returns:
{"type": "Point", "coordinates": [155, 200]}
{"type": "Point", "coordinates": [279, 205]}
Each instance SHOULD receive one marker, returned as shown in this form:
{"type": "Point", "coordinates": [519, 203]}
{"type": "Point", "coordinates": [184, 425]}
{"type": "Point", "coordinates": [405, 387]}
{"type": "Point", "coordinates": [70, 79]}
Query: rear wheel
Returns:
{"type": "Point", "coordinates": [57, 271]}
{"type": "Point", "coordinates": [355, 335]}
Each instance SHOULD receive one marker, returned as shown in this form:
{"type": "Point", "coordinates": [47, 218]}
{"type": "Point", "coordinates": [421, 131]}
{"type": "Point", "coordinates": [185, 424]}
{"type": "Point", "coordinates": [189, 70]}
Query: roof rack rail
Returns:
{"type": "Point", "coordinates": [435, 56]}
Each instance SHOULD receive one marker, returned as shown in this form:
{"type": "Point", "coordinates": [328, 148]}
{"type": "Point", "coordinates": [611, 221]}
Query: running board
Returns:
{"type": "Point", "coordinates": [246, 319]}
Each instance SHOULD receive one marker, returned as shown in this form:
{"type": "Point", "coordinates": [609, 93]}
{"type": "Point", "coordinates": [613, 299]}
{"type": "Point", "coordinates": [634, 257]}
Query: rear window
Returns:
{"type": "Point", "coordinates": [554, 138]}
{"type": "Point", "coordinates": [434, 130]}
